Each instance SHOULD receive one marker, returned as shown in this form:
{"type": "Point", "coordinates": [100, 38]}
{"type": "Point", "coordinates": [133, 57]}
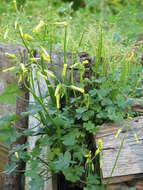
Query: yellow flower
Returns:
{"type": "Point", "coordinates": [45, 54]}
{"type": "Point", "coordinates": [20, 30]}
{"type": "Point", "coordinates": [11, 56]}
{"type": "Point", "coordinates": [85, 62]}
{"type": "Point", "coordinates": [136, 138]}
{"type": "Point", "coordinates": [15, 5]}
{"type": "Point", "coordinates": [58, 89]}
{"type": "Point", "coordinates": [49, 73]}
{"type": "Point", "coordinates": [9, 69]}
{"type": "Point", "coordinates": [39, 26]}
{"type": "Point", "coordinates": [20, 79]}
{"type": "Point", "coordinates": [77, 89]}
{"type": "Point", "coordinates": [131, 56]}
{"type": "Point", "coordinates": [64, 71]}
{"type": "Point", "coordinates": [100, 144]}
{"type": "Point", "coordinates": [5, 34]}
{"type": "Point", "coordinates": [61, 23]}
{"type": "Point", "coordinates": [28, 37]}
{"type": "Point", "coordinates": [41, 75]}
{"type": "Point", "coordinates": [35, 59]}
{"type": "Point", "coordinates": [16, 155]}
{"type": "Point", "coordinates": [100, 147]}
{"type": "Point", "coordinates": [118, 132]}
{"type": "Point", "coordinates": [15, 24]}
{"type": "Point", "coordinates": [24, 70]}
{"type": "Point", "coordinates": [92, 166]}
{"type": "Point", "coordinates": [58, 101]}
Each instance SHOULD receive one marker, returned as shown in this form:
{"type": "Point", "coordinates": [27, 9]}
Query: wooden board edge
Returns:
{"type": "Point", "coordinates": [122, 179]}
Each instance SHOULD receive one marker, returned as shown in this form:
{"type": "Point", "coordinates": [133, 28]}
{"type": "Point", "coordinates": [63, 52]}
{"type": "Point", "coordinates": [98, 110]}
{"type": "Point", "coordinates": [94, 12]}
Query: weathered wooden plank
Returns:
{"type": "Point", "coordinates": [130, 162]}
{"type": "Point", "coordinates": [34, 122]}
{"type": "Point", "coordinates": [3, 161]}
{"type": "Point", "coordinates": [14, 180]}
{"type": "Point", "coordinates": [138, 106]}
{"type": "Point", "coordinates": [5, 107]}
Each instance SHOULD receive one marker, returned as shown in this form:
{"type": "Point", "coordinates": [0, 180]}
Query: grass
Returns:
{"type": "Point", "coordinates": [116, 38]}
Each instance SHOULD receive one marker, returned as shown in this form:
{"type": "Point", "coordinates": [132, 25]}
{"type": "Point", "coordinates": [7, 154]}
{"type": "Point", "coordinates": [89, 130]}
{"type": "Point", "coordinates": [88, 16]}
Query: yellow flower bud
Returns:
{"type": "Point", "coordinates": [11, 56]}
{"type": "Point", "coordinates": [100, 144]}
{"type": "Point", "coordinates": [20, 79]}
{"type": "Point", "coordinates": [14, 5]}
{"type": "Point", "coordinates": [131, 56]}
{"type": "Point", "coordinates": [136, 138]}
{"type": "Point", "coordinates": [89, 154]}
{"type": "Point", "coordinates": [23, 68]}
{"type": "Point", "coordinates": [9, 69]}
{"type": "Point", "coordinates": [92, 167]}
{"type": "Point", "coordinates": [28, 37]}
{"type": "Point", "coordinates": [45, 55]}
{"type": "Point", "coordinates": [15, 25]}
{"type": "Point", "coordinates": [77, 89]}
{"type": "Point", "coordinates": [58, 89]}
{"type": "Point", "coordinates": [16, 155]}
{"type": "Point", "coordinates": [39, 26]}
{"type": "Point", "coordinates": [5, 34]}
{"type": "Point", "coordinates": [118, 132]}
{"type": "Point", "coordinates": [35, 59]}
{"type": "Point", "coordinates": [43, 76]}
{"type": "Point", "coordinates": [61, 23]}
{"type": "Point", "coordinates": [76, 65]}
{"type": "Point", "coordinates": [58, 101]}
{"type": "Point", "coordinates": [20, 30]}
{"type": "Point", "coordinates": [64, 71]}
{"type": "Point", "coordinates": [49, 73]}
{"type": "Point", "coordinates": [85, 62]}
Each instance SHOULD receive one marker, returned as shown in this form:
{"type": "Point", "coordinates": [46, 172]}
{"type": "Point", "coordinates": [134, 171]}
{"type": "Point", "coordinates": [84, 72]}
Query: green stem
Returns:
{"type": "Point", "coordinates": [65, 60]}
{"type": "Point", "coordinates": [118, 154]}
{"type": "Point", "coordinates": [25, 44]}
{"type": "Point", "coordinates": [41, 103]}
{"type": "Point", "coordinates": [58, 128]}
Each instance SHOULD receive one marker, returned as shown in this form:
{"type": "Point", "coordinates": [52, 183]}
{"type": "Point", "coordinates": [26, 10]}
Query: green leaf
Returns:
{"type": "Point", "coordinates": [90, 127]}
{"type": "Point", "coordinates": [93, 92]}
{"type": "Point", "coordinates": [94, 180]}
{"type": "Point", "coordinates": [93, 187]}
{"type": "Point", "coordinates": [114, 115]}
{"type": "Point", "coordinates": [10, 168]}
{"type": "Point", "coordinates": [87, 115]}
{"type": "Point", "coordinates": [63, 161]}
{"type": "Point", "coordinates": [36, 184]}
{"type": "Point", "coordinates": [106, 102]}
{"type": "Point", "coordinates": [69, 139]}
{"type": "Point", "coordinates": [80, 152]}
{"type": "Point", "coordinates": [79, 112]}
{"type": "Point", "coordinates": [73, 174]}
{"type": "Point", "coordinates": [32, 110]}
{"type": "Point", "coordinates": [121, 101]}
{"type": "Point", "coordinates": [103, 92]}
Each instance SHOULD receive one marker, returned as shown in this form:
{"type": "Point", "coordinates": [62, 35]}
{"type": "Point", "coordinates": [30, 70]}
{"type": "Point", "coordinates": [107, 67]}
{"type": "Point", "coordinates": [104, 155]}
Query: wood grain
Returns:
{"type": "Point", "coordinates": [131, 157]}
